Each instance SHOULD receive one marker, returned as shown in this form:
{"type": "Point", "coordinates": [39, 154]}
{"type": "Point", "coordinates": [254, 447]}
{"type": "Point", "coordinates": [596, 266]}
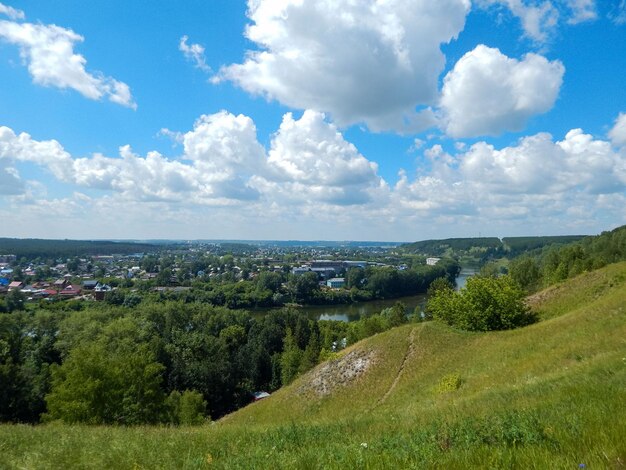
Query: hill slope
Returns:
{"type": "Point", "coordinates": [418, 396]}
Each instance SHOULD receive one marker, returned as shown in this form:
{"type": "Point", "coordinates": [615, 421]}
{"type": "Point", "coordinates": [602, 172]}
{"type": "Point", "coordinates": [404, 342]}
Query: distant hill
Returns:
{"type": "Point", "coordinates": [522, 244]}
{"type": "Point", "coordinates": [33, 247]}
{"type": "Point", "coordinates": [509, 246]}
{"type": "Point", "coordinates": [439, 247]}
{"type": "Point", "coordinates": [417, 396]}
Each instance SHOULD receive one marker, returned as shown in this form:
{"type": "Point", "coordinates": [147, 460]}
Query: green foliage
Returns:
{"type": "Point", "coordinates": [440, 247]}
{"type": "Point", "coordinates": [395, 315]}
{"type": "Point", "coordinates": [485, 304]}
{"type": "Point", "coordinates": [556, 263]}
{"type": "Point", "coordinates": [113, 380]}
{"type": "Point", "coordinates": [14, 300]}
{"type": "Point", "coordinates": [32, 248]}
{"type": "Point", "coordinates": [449, 383]}
{"type": "Point", "coordinates": [290, 359]}
{"type": "Point", "coordinates": [188, 408]}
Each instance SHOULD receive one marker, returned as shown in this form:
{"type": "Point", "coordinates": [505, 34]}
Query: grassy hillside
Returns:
{"type": "Point", "coordinates": [550, 395]}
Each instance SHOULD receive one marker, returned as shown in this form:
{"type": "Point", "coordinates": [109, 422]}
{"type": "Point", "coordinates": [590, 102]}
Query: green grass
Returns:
{"type": "Point", "coordinates": [550, 395]}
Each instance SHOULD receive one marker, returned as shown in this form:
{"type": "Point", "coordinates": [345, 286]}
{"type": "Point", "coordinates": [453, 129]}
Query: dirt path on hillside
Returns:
{"type": "Point", "coordinates": [410, 351]}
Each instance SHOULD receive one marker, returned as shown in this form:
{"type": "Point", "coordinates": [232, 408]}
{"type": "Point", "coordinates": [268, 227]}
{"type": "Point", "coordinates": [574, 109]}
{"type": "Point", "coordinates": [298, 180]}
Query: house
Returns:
{"type": "Point", "coordinates": [70, 291]}
{"type": "Point", "coordinates": [432, 261]}
{"type": "Point", "coordinates": [336, 282]}
{"type": "Point", "coordinates": [16, 285]}
{"type": "Point", "coordinates": [89, 284]}
{"type": "Point", "coordinates": [60, 284]}
{"type": "Point", "coordinates": [100, 291]}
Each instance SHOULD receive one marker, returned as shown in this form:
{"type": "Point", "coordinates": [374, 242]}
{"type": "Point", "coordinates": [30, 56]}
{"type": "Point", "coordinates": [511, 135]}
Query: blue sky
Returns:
{"type": "Point", "coordinates": [374, 120]}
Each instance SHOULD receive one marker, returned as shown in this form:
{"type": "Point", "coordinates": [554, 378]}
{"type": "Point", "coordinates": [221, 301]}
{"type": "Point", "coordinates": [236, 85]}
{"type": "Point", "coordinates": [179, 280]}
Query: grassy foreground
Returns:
{"type": "Point", "coordinates": [551, 395]}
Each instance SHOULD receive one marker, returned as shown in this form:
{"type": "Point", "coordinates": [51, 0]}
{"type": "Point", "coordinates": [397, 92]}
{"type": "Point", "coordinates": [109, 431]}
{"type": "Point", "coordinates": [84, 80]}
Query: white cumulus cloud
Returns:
{"type": "Point", "coordinates": [48, 51]}
{"type": "Point", "coordinates": [539, 179]}
{"type": "Point", "coordinates": [369, 61]}
{"type": "Point", "coordinates": [310, 160]}
{"type": "Point", "coordinates": [618, 133]}
{"type": "Point", "coordinates": [487, 93]}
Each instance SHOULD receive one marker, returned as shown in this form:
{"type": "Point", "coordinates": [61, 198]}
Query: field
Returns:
{"type": "Point", "coordinates": [550, 395]}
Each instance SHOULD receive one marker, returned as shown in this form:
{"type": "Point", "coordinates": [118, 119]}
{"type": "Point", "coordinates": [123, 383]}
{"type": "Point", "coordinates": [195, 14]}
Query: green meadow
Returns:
{"type": "Point", "coordinates": [423, 395]}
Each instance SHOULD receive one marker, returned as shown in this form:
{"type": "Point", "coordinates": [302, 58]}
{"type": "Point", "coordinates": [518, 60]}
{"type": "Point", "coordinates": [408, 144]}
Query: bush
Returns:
{"type": "Point", "coordinates": [486, 303]}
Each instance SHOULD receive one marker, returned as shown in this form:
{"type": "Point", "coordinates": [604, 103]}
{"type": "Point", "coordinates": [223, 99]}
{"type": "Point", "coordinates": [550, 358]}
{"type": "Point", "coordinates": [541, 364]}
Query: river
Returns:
{"type": "Point", "coordinates": [352, 312]}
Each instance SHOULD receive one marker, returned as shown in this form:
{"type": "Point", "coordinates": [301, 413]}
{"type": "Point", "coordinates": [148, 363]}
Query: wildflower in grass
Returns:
{"type": "Point", "coordinates": [364, 445]}
{"type": "Point", "coordinates": [582, 465]}
{"type": "Point", "coordinates": [209, 459]}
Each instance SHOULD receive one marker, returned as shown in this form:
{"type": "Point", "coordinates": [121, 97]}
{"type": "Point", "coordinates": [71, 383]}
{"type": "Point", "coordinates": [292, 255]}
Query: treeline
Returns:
{"type": "Point", "coordinates": [441, 247]}
{"type": "Point", "coordinates": [276, 289]}
{"type": "Point", "coordinates": [167, 362]}
{"type": "Point", "coordinates": [38, 248]}
{"type": "Point", "coordinates": [509, 247]}
{"type": "Point", "coordinates": [516, 246]}
{"type": "Point", "coordinates": [557, 263]}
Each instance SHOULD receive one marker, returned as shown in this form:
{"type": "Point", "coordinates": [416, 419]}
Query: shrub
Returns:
{"type": "Point", "coordinates": [486, 303]}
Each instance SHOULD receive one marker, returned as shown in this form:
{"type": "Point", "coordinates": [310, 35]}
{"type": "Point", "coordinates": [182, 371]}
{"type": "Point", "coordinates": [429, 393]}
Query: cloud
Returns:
{"type": "Point", "coordinates": [224, 147]}
{"type": "Point", "coordinates": [10, 182]}
{"type": "Point", "coordinates": [539, 19]}
{"type": "Point", "coordinates": [487, 93]}
{"type": "Point", "coordinates": [370, 62]}
{"type": "Point", "coordinates": [618, 133]}
{"type": "Point", "coordinates": [310, 160]}
{"type": "Point", "coordinates": [152, 177]}
{"type": "Point", "coordinates": [582, 11]}
{"type": "Point", "coordinates": [194, 53]}
{"type": "Point", "coordinates": [48, 154]}
{"type": "Point", "coordinates": [222, 163]}
{"type": "Point", "coordinates": [312, 182]}
{"type": "Point", "coordinates": [537, 179]}
{"type": "Point", "coordinates": [12, 13]}
{"type": "Point", "coordinates": [618, 14]}
{"type": "Point", "coordinates": [48, 50]}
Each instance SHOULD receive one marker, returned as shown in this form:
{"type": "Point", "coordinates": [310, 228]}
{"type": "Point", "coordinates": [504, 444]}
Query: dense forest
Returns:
{"type": "Point", "coordinates": [441, 247]}
{"type": "Point", "coordinates": [551, 264]}
{"type": "Point", "coordinates": [156, 362]}
{"type": "Point", "coordinates": [33, 248]}
{"type": "Point", "coordinates": [479, 251]}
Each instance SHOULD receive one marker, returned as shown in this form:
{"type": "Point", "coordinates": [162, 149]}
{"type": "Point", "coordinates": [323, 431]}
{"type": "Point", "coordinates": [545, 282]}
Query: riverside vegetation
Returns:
{"type": "Point", "coordinates": [419, 395]}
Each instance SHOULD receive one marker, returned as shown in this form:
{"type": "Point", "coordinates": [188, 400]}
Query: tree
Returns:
{"type": "Point", "coordinates": [290, 359]}
{"type": "Point", "coordinates": [311, 354]}
{"type": "Point", "coordinates": [395, 315]}
{"type": "Point", "coordinates": [188, 408]}
{"type": "Point", "coordinates": [15, 300]}
{"type": "Point", "coordinates": [355, 277]}
{"type": "Point", "coordinates": [485, 304]}
{"type": "Point", "coordinates": [303, 287]}
{"type": "Point", "coordinates": [114, 380]}
{"type": "Point", "coordinates": [525, 272]}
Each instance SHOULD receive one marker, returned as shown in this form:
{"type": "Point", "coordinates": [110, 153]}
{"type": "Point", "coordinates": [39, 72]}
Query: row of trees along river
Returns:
{"type": "Point", "coordinates": [357, 310]}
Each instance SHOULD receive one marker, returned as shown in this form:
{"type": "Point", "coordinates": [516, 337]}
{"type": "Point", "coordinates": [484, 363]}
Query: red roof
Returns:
{"type": "Point", "coordinates": [70, 290]}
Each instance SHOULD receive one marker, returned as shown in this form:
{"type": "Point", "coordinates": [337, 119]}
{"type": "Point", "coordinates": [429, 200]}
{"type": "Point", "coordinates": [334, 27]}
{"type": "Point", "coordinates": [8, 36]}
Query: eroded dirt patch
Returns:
{"type": "Point", "coordinates": [339, 372]}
